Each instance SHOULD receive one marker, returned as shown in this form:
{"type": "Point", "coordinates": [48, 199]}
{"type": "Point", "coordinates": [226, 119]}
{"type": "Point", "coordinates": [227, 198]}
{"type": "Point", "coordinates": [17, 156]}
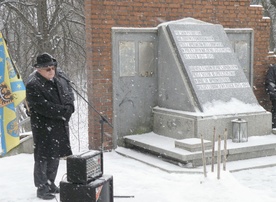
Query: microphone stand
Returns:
{"type": "Point", "coordinates": [103, 119]}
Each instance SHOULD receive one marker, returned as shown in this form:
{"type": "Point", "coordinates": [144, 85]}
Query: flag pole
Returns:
{"type": "Point", "coordinates": [1, 150]}
{"type": "Point", "coordinates": [27, 105]}
{"type": "Point", "coordinates": [13, 65]}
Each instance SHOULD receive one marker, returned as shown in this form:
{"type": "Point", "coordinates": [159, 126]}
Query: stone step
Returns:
{"type": "Point", "coordinates": [257, 146]}
{"type": "Point", "coordinates": [25, 146]}
{"type": "Point", "coordinates": [193, 144]}
{"type": "Point", "coordinates": [157, 162]}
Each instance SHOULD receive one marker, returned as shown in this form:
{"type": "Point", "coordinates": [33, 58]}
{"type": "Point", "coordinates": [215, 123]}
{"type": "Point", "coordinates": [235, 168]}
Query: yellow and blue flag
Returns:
{"type": "Point", "coordinates": [12, 93]}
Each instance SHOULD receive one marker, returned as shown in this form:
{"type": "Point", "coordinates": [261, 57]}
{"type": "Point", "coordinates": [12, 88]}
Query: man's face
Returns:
{"type": "Point", "coordinates": [47, 72]}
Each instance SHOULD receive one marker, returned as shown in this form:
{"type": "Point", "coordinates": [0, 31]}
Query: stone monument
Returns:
{"type": "Point", "coordinates": [181, 81]}
{"type": "Point", "coordinates": [201, 85]}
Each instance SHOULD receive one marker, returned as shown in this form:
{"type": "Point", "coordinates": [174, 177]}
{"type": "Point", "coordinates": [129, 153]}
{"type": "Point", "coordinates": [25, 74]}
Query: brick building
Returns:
{"type": "Point", "coordinates": [102, 15]}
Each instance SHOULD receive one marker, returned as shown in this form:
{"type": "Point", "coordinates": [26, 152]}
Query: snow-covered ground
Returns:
{"type": "Point", "coordinates": [138, 182]}
{"type": "Point", "coordinates": [146, 183]}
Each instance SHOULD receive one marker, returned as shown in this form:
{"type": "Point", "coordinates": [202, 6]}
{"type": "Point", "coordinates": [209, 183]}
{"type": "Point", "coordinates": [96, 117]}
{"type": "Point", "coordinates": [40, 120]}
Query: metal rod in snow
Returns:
{"type": "Point", "coordinates": [218, 157]}
{"type": "Point", "coordinates": [225, 149]}
{"type": "Point", "coordinates": [213, 150]}
{"type": "Point", "coordinates": [123, 196]}
{"type": "Point", "coordinates": [203, 156]}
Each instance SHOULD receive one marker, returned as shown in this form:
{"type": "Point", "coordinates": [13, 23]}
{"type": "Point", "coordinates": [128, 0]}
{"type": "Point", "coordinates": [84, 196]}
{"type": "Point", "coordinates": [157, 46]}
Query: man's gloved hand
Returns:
{"type": "Point", "coordinates": [69, 109]}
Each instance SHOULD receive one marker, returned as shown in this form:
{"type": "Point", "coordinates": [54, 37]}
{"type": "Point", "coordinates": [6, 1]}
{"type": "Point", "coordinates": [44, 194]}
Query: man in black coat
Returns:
{"type": "Point", "coordinates": [270, 84]}
{"type": "Point", "coordinates": [51, 105]}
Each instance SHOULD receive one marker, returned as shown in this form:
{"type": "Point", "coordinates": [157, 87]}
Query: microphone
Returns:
{"type": "Point", "coordinates": [64, 77]}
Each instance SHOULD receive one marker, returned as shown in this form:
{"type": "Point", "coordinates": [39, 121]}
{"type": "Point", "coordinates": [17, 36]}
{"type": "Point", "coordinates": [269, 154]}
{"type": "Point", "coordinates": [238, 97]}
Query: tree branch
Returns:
{"type": "Point", "coordinates": [22, 17]}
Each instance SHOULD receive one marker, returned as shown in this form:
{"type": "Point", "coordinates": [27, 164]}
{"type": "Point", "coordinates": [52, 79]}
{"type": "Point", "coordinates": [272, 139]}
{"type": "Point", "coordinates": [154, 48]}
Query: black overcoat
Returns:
{"type": "Point", "coordinates": [270, 82]}
{"type": "Point", "coordinates": [51, 107]}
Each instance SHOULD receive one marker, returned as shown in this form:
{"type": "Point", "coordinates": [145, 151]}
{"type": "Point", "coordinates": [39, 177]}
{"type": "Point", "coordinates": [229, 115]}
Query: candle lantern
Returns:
{"type": "Point", "coordinates": [239, 130]}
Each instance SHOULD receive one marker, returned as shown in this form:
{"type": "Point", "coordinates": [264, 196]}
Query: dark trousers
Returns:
{"type": "Point", "coordinates": [45, 171]}
{"type": "Point", "coordinates": [273, 111]}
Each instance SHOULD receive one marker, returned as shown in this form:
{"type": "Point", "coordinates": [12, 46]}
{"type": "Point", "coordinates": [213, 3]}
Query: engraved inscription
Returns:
{"type": "Point", "coordinates": [213, 67]}
{"type": "Point", "coordinates": [223, 86]}
{"type": "Point", "coordinates": [187, 32]}
{"type": "Point", "coordinates": [195, 38]}
{"type": "Point", "coordinates": [198, 56]}
{"type": "Point", "coordinates": [194, 45]}
{"type": "Point", "coordinates": [213, 74]}
{"type": "Point", "coordinates": [200, 44]}
{"type": "Point", "coordinates": [212, 77]}
{"type": "Point", "coordinates": [208, 62]}
{"type": "Point", "coordinates": [206, 50]}
{"type": "Point", "coordinates": [212, 80]}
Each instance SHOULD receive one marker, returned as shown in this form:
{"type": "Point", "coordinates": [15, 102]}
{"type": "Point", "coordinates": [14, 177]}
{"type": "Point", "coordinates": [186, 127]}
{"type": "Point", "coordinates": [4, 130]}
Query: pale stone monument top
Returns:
{"type": "Point", "coordinates": [209, 62]}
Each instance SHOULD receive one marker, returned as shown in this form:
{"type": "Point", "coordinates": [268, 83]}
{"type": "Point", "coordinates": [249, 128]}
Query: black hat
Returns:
{"type": "Point", "coordinates": [55, 62]}
{"type": "Point", "coordinates": [45, 60]}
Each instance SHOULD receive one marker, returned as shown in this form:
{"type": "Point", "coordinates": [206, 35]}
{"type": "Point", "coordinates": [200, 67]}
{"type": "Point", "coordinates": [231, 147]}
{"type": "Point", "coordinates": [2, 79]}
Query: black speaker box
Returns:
{"type": "Point", "coordinates": [84, 167]}
{"type": "Point", "coordinates": [100, 190]}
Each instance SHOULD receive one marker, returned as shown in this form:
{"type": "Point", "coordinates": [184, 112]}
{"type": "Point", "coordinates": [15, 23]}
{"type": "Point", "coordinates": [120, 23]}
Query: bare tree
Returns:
{"type": "Point", "coordinates": [32, 27]}
{"type": "Point", "coordinates": [270, 10]}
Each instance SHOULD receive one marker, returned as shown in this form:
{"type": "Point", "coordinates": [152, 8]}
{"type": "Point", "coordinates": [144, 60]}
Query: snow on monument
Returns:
{"type": "Point", "coordinates": [201, 84]}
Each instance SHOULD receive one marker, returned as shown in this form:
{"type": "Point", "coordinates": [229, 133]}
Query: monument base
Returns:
{"type": "Point", "coordinates": [180, 124]}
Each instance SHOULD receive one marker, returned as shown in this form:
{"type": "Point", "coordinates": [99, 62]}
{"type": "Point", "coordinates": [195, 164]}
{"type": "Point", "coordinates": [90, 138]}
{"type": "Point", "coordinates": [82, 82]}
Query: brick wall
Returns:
{"type": "Point", "coordinates": [101, 15]}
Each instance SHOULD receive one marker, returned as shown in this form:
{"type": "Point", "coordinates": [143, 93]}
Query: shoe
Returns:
{"type": "Point", "coordinates": [44, 194]}
{"type": "Point", "coordinates": [53, 189]}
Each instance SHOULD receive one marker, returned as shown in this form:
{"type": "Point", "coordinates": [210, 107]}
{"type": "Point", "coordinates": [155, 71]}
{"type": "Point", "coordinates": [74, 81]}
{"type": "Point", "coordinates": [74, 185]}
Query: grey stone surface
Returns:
{"type": "Point", "coordinates": [209, 62]}
{"type": "Point", "coordinates": [180, 125]}
{"type": "Point", "coordinates": [134, 81]}
{"type": "Point", "coordinates": [180, 65]}
{"type": "Point", "coordinates": [242, 40]}
{"type": "Point", "coordinates": [173, 85]}
{"type": "Point", "coordinates": [193, 144]}
{"type": "Point", "coordinates": [26, 145]}
{"type": "Point", "coordinates": [237, 151]}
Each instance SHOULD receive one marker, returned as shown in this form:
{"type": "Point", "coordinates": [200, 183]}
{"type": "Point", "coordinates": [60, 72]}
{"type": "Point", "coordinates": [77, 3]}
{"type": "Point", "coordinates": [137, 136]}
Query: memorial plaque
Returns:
{"type": "Point", "coordinates": [146, 58]}
{"type": "Point", "coordinates": [209, 62]}
{"type": "Point", "coordinates": [127, 58]}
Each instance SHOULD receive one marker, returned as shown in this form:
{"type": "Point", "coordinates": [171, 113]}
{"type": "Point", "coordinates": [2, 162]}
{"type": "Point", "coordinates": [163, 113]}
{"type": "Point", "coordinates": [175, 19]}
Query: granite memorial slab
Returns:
{"type": "Point", "coordinates": [201, 83]}
{"type": "Point", "coordinates": [209, 62]}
